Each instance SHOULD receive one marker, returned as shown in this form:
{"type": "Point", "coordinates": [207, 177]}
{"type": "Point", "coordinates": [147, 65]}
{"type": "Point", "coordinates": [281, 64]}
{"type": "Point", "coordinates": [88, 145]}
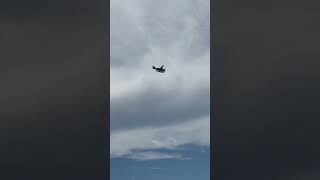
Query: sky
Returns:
{"type": "Point", "coordinates": [160, 123]}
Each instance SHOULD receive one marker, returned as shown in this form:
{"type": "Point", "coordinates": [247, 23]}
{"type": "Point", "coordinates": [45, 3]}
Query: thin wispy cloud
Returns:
{"type": "Point", "coordinates": [150, 155]}
{"type": "Point", "coordinates": [126, 142]}
{"type": "Point", "coordinates": [157, 168]}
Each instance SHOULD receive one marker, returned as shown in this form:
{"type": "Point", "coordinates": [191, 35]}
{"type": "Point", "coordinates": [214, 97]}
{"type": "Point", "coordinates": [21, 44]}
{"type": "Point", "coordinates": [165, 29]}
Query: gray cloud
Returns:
{"type": "Point", "coordinates": [149, 109]}
{"type": "Point", "coordinates": [158, 109]}
{"type": "Point", "coordinates": [172, 26]}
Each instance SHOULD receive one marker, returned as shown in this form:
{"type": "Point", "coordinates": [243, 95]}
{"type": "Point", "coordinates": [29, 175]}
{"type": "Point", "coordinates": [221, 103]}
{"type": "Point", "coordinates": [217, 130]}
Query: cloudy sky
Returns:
{"type": "Point", "coordinates": [159, 118]}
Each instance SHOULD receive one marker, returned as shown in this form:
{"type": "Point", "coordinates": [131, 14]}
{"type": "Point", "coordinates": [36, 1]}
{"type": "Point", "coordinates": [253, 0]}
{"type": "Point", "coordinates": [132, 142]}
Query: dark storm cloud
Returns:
{"type": "Point", "coordinates": [53, 95]}
{"type": "Point", "coordinates": [266, 90]}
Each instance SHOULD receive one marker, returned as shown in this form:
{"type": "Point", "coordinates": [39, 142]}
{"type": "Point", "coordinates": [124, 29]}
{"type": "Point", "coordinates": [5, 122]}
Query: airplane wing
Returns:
{"type": "Point", "coordinates": [161, 67]}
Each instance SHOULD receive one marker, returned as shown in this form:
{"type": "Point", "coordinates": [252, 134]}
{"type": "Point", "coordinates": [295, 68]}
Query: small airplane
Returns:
{"type": "Point", "coordinates": [161, 70]}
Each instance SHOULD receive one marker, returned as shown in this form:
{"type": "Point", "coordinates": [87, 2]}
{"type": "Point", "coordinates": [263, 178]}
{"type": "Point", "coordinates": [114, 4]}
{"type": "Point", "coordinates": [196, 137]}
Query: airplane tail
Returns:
{"type": "Point", "coordinates": [153, 67]}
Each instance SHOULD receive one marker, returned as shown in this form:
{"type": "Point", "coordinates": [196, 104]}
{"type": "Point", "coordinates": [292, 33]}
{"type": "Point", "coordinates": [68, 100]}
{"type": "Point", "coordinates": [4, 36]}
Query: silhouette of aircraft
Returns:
{"type": "Point", "coordinates": [161, 70]}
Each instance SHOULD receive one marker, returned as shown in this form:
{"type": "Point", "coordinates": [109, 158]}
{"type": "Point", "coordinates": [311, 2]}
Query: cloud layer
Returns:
{"type": "Point", "coordinates": [128, 142]}
{"type": "Point", "coordinates": [148, 108]}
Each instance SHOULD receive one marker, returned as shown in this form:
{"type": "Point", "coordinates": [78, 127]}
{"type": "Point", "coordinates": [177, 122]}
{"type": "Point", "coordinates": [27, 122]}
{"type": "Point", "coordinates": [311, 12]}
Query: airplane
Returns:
{"type": "Point", "coordinates": [161, 70]}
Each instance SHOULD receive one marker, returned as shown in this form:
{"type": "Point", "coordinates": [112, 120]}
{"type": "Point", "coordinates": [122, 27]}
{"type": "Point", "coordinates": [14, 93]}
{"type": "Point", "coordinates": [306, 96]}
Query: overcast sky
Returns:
{"type": "Point", "coordinates": [151, 111]}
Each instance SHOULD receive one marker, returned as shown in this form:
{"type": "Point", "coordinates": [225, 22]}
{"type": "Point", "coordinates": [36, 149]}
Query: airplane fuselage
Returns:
{"type": "Point", "coordinates": [161, 70]}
